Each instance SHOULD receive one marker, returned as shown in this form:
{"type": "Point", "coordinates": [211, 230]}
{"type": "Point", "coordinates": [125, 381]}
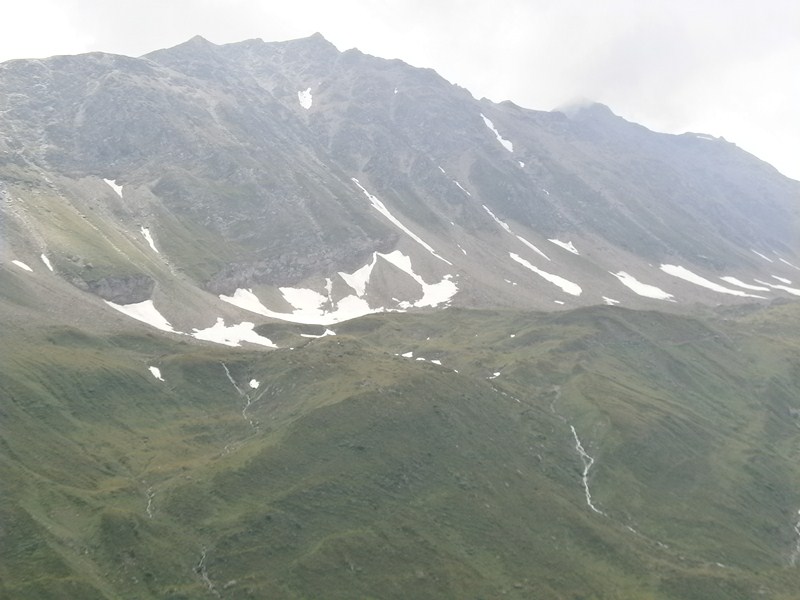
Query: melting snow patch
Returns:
{"type": "Point", "coordinates": [145, 312]}
{"type": "Point", "coordinates": [22, 265]}
{"type": "Point", "coordinates": [359, 278]}
{"type": "Point", "coordinates": [408, 354]}
{"type": "Point", "coordinates": [642, 289]}
{"type": "Point", "coordinates": [146, 233]}
{"type": "Point", "coordinates": [305, 98]}
{"type": "Point", "coordinates": [432, 294]}
{"type": "Point", "coordinates": [565, 245]}
{"type": "Point", "coordinates": [558, 301]}
{"type": "Point", "coordinates": [254, 383]}
{"type": "Point", "coordinates": [521, 164]}
{"type": "Point", "coordinates": [782, 279]}
{"type": "Point", "coordinates": [381, 208]}
{"type": "Point", "coordinates": [742, 284]}
{"type": "Point", "coordinates": [610, 301]}
{"type": "Point", "coordinates": [46, 261]}
{"type": "Point", "coordinates": [156, 373]}
{"type": "Point", "coordinates": [687, 275]}
{"type": "Point", "coordinates": [113, 185]}
{"type": "Point", "coordinates": [232, 335]}
{"type": "Point", "coordinates": [565, 285]}
{"type": "Point", "coordinates": [436, 361]}
{"type": "Point", "coordinates": [506, 144]}
{"type": "Point", "coordinates": [462, 250]}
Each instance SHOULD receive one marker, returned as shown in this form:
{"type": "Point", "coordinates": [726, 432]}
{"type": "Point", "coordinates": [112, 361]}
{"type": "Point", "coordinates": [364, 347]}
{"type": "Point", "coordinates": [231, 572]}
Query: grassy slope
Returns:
{"type": "Point", "coordinates": [358, 473]}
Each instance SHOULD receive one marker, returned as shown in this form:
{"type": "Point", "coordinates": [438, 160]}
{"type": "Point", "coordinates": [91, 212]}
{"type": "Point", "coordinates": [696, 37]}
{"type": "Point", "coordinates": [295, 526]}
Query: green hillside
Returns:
{"type": "Point", "coordinates": [354, 472]}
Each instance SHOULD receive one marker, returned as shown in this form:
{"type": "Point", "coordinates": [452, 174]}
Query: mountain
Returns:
{"type": "Point", "coordinates": [288, 322]}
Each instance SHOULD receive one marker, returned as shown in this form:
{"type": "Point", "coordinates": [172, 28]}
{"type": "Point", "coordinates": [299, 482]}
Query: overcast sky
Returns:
{"type": "Point", "coordinates": [725, 67]}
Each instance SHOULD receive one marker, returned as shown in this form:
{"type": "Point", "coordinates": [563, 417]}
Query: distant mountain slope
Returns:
{"type": "Point", "coordinates": [259, 166]}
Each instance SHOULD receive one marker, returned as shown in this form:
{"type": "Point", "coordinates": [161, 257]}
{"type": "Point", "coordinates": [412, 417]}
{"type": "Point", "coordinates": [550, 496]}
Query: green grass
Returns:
{"type": "Point", "coordinates": [364, 474]}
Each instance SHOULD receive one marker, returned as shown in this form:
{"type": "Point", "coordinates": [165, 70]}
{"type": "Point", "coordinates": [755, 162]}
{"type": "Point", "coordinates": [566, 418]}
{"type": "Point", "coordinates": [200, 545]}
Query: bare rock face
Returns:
{"type": "Point", "coordinates": [121, 290]}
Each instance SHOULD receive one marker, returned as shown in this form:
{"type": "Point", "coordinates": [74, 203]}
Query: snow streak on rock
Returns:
{"type": "Point", "coordinates": [146, 233]}
{"type": "Point", "coordinates": [22, 265]}
{"type": "Point", "coordinates": [381, 208]}
{"type": "Point", "coordinates": [506, 144]}
{"type": "Point", "coordinates": [113, 185]}
{"type": "Point", "coordinates": [506, 227]}
{"type": "Point", "coordinates": [565, 285]}
{"type": "Point", "coordinates": [588, 461]}
{"type": "Point", "coordinates": [741, 284]}
{"type": "Point", "coordinates": [785, 288]}
{"type": "Point", "coordinates": [46, 261]}
{"type": "Point", "coordinates": [761, 255]}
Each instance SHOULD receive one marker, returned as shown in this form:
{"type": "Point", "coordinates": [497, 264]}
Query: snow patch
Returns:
{"type": "Point", "coordinates": [432, 294]}
{"type": "Point", "coordinates": [305, 98]}
{"type": "Point", "coordinates": [567, 286]}
{"type": "Point", "coordinates": [381, 208]}
{"type": "Point", "coordinates": [610, 301]}
{"type": "Point", "coordinates": [642, 289]}
{"type": "Point", "coordinates": [22, 265]}
{"type": "Point", "coordinates": [46, 261]}
{"type": "Point", "coordinates": [687, 275]}
{"type": "Point", "coordinates": [156, 372]}
{"type": "Point", "coordinates": [145, 312]}
{"type": "Point", "coordinates": [521, 164]}
{"type": "Point", "coordinates": [146, 233]}
{"type": "Point", "coordinates": [407, 354]}
{"type": "Point", "coordinates": [113, 185]}
{"type": "Point", "coordinates": [232, 335]}
{"type": "Point", "coordinates": [506, 144]}
{"type": "Point", "coordinates": [254, 383]}
{"type": "Point", "coordinates": [742, 284]}
{"type": "Point", "coordinates": [565, 245]}
{"type": "Point", "coordinates": [782, 279]}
